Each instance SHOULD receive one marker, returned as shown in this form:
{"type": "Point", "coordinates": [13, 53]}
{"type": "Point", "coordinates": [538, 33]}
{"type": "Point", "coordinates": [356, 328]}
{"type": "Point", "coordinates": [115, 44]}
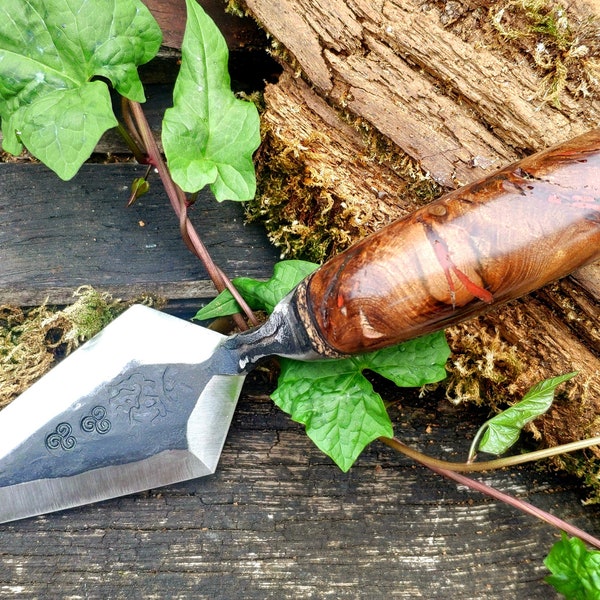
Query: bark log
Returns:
{"type": "Point", "coordinates": [370, 91]}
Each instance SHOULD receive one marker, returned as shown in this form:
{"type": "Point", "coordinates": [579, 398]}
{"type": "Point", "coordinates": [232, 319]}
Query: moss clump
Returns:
{"type": "Point", "coordinates": [311, 209]}
{"type": "Point", "coordinates": [293, 202]}
{"type": "Point", "coordinates": [482, 366]}
{"type": "Point", "coordinates": [31, 341]}
{"type": "Point", "coordinates": [564, 47]}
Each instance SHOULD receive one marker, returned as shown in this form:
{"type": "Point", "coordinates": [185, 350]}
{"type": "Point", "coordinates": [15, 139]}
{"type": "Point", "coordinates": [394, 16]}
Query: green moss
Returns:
{"type": "Point", "coordinates": [566, 49]}
{"type": "Point", "coordinates": [481, 367]}
{"type": "Point", "coordinates": [235, 8]}
{"type": "Point", "coordinates": [586, 467]}
{"type": "Point", "coordinates": [420, 187]}
{"type": "Point", "coordinates": [304, 211]}
{"type": "Point", "coordinates": [296, 205]}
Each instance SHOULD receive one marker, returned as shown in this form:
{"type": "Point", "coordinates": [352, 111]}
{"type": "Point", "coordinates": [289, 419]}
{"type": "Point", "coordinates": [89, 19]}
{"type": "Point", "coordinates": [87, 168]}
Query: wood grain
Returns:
{"type": "Point", "coordinates": [460, 108]}
{"type": "Point", "coordinates": [56, 236]}
{"type": "Point", "coordinates": [278, 520]}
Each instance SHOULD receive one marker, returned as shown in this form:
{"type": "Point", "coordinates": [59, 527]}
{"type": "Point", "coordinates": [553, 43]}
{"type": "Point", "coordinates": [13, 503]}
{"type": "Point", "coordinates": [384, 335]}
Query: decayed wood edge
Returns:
{"type": "Point", "coordinates": [313, 163]}
{"type": "Point", "coordinates": [554, 350]}
{"type": "Point", "coordinates": [460, 110]}
{"type": "Point", "coordinates": [589, 278]}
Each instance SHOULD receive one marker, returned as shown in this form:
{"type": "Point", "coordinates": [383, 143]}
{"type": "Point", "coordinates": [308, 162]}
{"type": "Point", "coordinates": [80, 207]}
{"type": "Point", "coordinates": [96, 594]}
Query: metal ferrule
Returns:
{"type": "Point", "coordinates": [286, 333]}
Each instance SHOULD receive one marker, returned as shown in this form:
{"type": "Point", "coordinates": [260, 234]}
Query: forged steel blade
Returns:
{"type": "Point", "coordinates": [129, 411]}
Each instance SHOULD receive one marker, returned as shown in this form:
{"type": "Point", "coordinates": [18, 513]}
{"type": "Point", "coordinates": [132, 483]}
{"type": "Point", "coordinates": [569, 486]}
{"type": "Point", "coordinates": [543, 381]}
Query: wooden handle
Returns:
{"type": "Point", "coordinates": [489, 242]}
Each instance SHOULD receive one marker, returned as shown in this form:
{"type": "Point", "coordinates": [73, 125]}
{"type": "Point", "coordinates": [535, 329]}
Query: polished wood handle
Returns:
{"type": "Point", "coordinates": [489, 242]}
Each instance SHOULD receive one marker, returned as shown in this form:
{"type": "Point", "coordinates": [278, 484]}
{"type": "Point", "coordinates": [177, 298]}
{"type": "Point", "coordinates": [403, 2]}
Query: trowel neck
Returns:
{"type": "Point", "coordinates": [283, 334]}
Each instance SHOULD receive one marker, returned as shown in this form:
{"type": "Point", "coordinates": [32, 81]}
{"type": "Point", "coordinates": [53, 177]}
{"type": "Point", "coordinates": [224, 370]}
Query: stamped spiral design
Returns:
{"type": "Point", "coordinates": [61, 438]}
{"type": "Point", "coordinates": [96, 421]}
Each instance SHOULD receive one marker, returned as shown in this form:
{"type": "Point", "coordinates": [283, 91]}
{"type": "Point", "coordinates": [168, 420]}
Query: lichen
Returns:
{"type": "Point", "coordinates": [32, 340]}
{"type": "Point", "coordinates": [566, 48]}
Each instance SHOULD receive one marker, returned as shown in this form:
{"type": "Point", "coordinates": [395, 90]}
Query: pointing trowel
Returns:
{"type": "Point", "coordinates": [148, 402]}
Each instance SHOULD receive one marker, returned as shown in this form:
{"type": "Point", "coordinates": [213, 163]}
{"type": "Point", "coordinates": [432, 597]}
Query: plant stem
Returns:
{"type": "Point", "coordinates": [179, 204]}
{"type": "Point", "coordinates": [132, 143]}
{"type": "Point", "coordinates": [522, 505]}
{"type": "Point", "coordinates": [130, 128]}
{"type": "Point", "coordinates": [488, 465]}
{"type": "Point", "coordinates": [437, 466]}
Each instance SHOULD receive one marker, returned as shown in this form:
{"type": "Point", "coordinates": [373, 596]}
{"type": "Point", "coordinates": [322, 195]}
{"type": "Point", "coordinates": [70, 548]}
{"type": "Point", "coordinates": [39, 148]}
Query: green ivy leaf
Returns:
{"type": "Point", "coordinates": [575, 569]}
{"type": "Point", "coordinates": [209, 135]}
{"type": "Point", "coordinates": [412, 364]}
{"type": "Point", "coordinates": [503, 430]}
{"type": "Point", "coordinates": [260, 295]}
{"type": "Point", "coordinates": [49, 52]}
{"type": "Point", "coordinates": [337, 404]}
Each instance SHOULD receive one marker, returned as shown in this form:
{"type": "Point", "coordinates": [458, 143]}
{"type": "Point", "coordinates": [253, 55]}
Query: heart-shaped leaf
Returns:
{"type": "Point", "coordinates": [209, 135]}
{"type": "Point", "coordinates": [498, 434]}
{"type": "Point", "coordinates": [340, 409]}
{"type": "Point", "coordinates": [337, 404]}
{"type": "Point", "coordinates": [260, 295]}
{"type": "Point", "coordinates": [49, 52]}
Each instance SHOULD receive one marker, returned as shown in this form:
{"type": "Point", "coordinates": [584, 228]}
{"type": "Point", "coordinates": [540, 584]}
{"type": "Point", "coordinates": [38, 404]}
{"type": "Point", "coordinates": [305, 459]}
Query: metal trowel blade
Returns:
{"type": "Point", "coordinates": [132, 409]}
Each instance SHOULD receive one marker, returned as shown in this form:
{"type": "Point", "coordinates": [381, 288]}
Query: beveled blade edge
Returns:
{"type": "Point", "coordinates": [50, 495]}
{"type": "Point", "coordinates": [140, 334]}
{"type": "Point", "coordinates": [209, 422]}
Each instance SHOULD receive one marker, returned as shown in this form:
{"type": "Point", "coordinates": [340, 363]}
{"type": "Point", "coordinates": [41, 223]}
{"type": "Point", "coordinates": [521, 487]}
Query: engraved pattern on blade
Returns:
{"type": "Point", "coordinates": [61, 438]}
{"type": "Point", "coordinates": [142, 412]}
{"type": "Point", "coordinates": [96, 421]}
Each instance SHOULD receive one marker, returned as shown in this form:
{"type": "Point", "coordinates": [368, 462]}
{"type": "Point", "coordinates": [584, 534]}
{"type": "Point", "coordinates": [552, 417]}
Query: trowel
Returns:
{"type": "Point", "coordinates": [148, 402]}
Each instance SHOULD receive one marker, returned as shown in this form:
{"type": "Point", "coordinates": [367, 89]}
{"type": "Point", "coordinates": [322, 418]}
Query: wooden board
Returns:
{"type": "Point", "coordinates": [279, 521]}
{"type": "Point", "coordinates": [56, 236]}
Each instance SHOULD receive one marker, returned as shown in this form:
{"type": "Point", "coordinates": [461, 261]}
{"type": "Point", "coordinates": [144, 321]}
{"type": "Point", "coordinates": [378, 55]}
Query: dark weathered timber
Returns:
{"type": "Point", "coordinates": [56, 236]}
{"type": "Point", "coordinates": [279, 521]}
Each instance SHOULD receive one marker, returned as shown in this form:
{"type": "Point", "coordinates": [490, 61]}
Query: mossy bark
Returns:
{"type": "Point", "coordinates": [383, 105]}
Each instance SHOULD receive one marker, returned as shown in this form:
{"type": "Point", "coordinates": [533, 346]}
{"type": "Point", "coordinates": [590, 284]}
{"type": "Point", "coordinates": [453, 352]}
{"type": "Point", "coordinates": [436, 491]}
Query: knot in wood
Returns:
{"type": "Point", "coordinates": [437, 210]}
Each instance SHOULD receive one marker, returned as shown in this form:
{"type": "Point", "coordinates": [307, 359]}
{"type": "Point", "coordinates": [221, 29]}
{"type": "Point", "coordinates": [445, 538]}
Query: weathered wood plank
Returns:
{"type": "Point", "coordinates": [278, 520]}
{"type": "Point", "coordinates": [56, 236]}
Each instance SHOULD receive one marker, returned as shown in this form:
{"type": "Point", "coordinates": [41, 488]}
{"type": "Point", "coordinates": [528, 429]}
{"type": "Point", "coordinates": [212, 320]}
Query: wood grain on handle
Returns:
{"type": "Point", "coordinates": [489, 242]}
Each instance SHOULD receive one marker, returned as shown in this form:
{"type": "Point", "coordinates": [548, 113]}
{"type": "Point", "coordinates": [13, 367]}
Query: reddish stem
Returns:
{"type": "Point", "coordinates": [179, 204]}
{"type": "Point", "coordinates": [473, 484]}
{"type": "Point", "coordinates": [522, 505]}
